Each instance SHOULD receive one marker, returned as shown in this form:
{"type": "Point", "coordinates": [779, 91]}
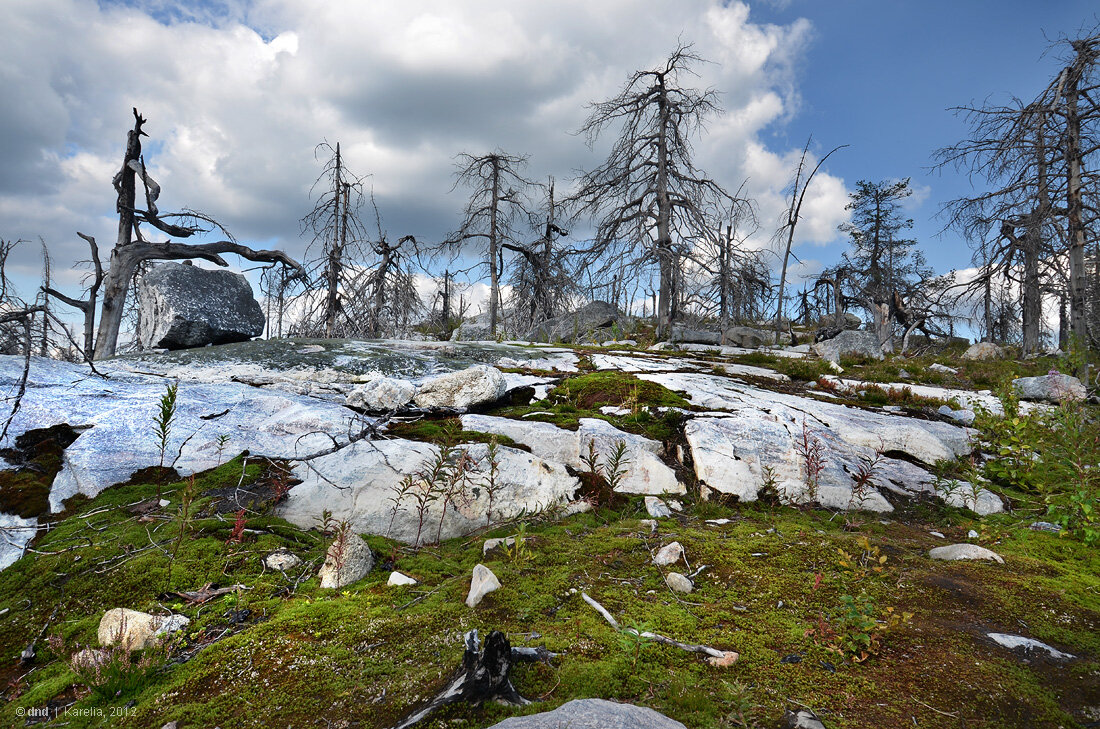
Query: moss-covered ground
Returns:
{"type": "Point", "coordinates": [845, 614]}
{"type": "Point", "coordinates": [283, 652]}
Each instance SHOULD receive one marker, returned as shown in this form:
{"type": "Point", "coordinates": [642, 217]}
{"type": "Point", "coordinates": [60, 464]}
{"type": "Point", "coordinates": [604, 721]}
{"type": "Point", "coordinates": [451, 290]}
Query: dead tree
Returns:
{"type": "Point", "coordinates": [799, 186]}
{"type": "Point", "coordinates": [87, 305]}
{"type": "Point", "coordinates": [496, 214]}
{"type": "Point", "coordinates": [132, 248]}
{"type": "Point", "coordinates": [483, 676]}
{"type": "Point", "coordinates": [542, 282]}
{"type": "Point", "coordinates": [648, 194]}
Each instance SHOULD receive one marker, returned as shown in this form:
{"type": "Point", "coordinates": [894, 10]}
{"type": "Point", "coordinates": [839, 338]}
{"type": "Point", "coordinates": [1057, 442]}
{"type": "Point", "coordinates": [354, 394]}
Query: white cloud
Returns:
{"type": "Point", "coordinates": [238, 96]}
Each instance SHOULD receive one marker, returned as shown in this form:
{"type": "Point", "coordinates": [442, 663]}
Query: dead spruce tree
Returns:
{"type": "Point", "coordinates": [497, 213]}
{"type": "Point", "coordinates": [648, 196]}
{"type": "Point", "coordinates": [132, 247]}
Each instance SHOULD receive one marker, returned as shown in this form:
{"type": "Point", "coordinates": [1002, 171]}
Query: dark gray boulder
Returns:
{"type": "Point", "coordinates": [749, 337]}
{"type": "Point", "coordinates": [185, 306]}
{"type": "Point", "coordinates": [592, 714]}
{"type": "Point", "coordinates": [590, 322]}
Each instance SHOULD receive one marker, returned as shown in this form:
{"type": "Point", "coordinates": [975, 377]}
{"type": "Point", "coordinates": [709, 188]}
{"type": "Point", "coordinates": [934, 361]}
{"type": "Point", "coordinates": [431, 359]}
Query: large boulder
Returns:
{"type": "Point", "coordinates": [749, 337]}
{"type": "Point", "coordinates": [851, 321]}
{"type": "Point", "coordinates": [1054, 387]}
{"type": "Point", "coordinates": [475, 329]}
{"type": "Point", "coordinates": [984, 350]}
{"type": "Point", "coordinates": [185, 306]}
{"type": "Point", "coordinates": [475, 385]}
{"type": "Point", "coordinates": [849, 343]}
{"type": "Point", "coordinates": [680, 333]}
{"type": "Point", "coordinates": [583, 324]}
{"type": "Point", "coordinates": [592, 714]}
{"type": "Point", "coordinates": [347, 560]}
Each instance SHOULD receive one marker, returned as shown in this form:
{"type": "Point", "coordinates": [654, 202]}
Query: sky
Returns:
{"type": "Point", "coordinates": [238, 93]}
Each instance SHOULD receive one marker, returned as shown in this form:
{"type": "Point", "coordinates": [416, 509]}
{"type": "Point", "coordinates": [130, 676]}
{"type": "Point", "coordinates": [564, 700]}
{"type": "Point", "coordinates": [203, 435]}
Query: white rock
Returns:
{"type": "Point", "coordinates": [645, 472]}
{"type": "Point", "coordinates": [89, 659]}
{"type": "Point", "coordinates": [472, 386]}
{"type": "Point", "coordinates": [17, 533]}
{"type": "Point", "coordinates": [669, 554]}
{"type": "Point", "coordinates": [347, 560]}
{"type": "Point", "coordinates": [163, 503]}
{"type": "Point", "coordinates": [963, 417]}
{"type": "Point", "coordinates": [750, 371]}
{"type": "Point", "coordinates": [972, 534]}
{"type": "Point", "coordinates": [491, 544]}
{"type": "Point", "coordinates": [1054, 388]}
{"type": "Point", "coordinates": [802, 719]}
{"type": "Point", "coordinates": [281, 560]}
{"type": "Point", "coordinates": [983, 350]}
{"type": "Point", "coordinates": [657, 508]}
{"type": "Point", "coordinates": [357, 483]}
{"type": "Point", "coordinates": [937, 367]}
{"type": "Point", "coordinates": [384, 393]}
{"type": "Point", "coordinates": [397, 580]}
{"type": "Point", "coordinates": [964, 551]}
{"type": "Point", "coordinates": [679, 582]}
{"type": "Point", "coordinates": [134, 630]}
{"type": "Point", "coordinates": [938, 535]}
{"type": "Point", "coordinates": [482, 582]}
{"type": "Point", "coordinates": [982, 501]}
{"type": "Point", "coordinates": [649, 525]}
{"type": "Point", "coordinates": [633, 364]}
{"type": "Point", "coordinates": [1029, 645]}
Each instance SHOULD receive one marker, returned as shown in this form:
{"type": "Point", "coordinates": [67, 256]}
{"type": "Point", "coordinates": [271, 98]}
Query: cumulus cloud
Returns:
{"type": "Point", "coordinates": [239, 93]}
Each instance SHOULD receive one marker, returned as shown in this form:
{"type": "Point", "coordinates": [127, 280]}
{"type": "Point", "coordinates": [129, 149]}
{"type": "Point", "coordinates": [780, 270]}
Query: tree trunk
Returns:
{"type": "Point", "coordinates": [1075, 205]}
{"type": "Point", "coordinates": [333, 265]}
{"type": "Point", "coordinates": [494, 247]}
{"type": "Point", "coordinates": [664, 220]}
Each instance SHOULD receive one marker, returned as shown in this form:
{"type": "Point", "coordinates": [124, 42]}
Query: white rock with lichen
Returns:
{"type": "Point", "coordinates": [678, 582]}
{"type": "Point", "coordinates": [964, 551]}
{"type": "Point", "coordinates": [347, 560]}
{"type": "Point", "coordinates": [669, 554]}
{"type": "Point", "coordinates": [482, 582]}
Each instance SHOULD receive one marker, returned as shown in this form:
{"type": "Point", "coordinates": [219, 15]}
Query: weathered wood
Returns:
{"type": "Point", "coordinates": [483, 676]}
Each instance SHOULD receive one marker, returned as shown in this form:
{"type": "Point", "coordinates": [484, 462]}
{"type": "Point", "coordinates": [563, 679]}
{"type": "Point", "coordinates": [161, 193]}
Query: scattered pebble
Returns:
{"type": "Point", "coordinates": [678, 582]}
{"type": "Point", "coordinates": [482, 582]}
{"type": "Point", "coordinates": [669, 554]}
{"type": "Point", "coordinates": [281, 560]}
{"type": "Point", "coordinates": [937, 534]}
{"type": "Point", "coordinates": [972, 534]}
{"type": "Point", "coordinates": [1045, 526]}
{"type": "Point", "coordinates": [397, 579]}
{"type": "Point", "coordinates": [657, 508]}
{"type": "Point", "coordinates": [719, 522]}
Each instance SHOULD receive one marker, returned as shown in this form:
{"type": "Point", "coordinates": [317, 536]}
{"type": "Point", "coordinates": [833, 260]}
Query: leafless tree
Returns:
{"type": "Point", "coordinates": [649, 196]}
{"type": "Point", "coordinates": [498, 213]}
{"type": "Point", "coordinates": [732, 280]}
{"type": "Point", "coordinates": [793, 214]}
{"type": "Point", "coordinates": [542, 280]}
{"type": "Point", "coordinates": [132, 248]}
{"type": "Point", "coordinates": [87, 306]}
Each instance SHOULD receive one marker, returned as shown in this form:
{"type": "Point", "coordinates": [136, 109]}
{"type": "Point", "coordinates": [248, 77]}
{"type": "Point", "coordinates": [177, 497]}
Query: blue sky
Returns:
{"type": "Point", "coordinates": [239, 92]}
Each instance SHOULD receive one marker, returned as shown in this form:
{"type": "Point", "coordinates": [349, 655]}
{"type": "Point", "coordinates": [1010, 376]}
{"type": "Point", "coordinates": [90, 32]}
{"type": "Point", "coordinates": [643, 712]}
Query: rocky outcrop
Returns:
{"type": "Point", "coordinates": [1054, 388]}
{"type": "Point", "coordinates": [645, 472]}
{"type": "Point", "coordinates": [813, 451]}
{"type": "Point", "coordinates": [476, 329]}
{"type": "Point", "coordinates": [466, 388]}
{"type": "Point", "coordinates": [186, 306]}
{"type": "Point", "coordinates": [681, 333]}
{"type": "Point", "coordinates": [983, 350]}
{"type": "Point", "coordinates": [749, 337]}
{"type": "Point", "coordinates": [591, 322]}
{"type": "Point", "coordinates": [359, 483]}
{"type": "Point", "coordinates": [848, 343]}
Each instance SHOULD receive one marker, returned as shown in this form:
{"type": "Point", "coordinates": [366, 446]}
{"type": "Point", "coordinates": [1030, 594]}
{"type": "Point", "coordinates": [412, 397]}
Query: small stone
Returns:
{"type": "Point", "coordinates": [491, 544]}
{"type": "Point", "coordinates": [972, 534]}
{"type": "Point", "coordinates": [1045, 526]}
{"type": "Point", "coordinates": [398, 580]}
{"type": "Point", "coordinates": [937, 367]}
{"type": "Point", "coordinates": [719, 522]}
{"type": "Point", "coordinates": [779, 605]}
{"type": "Point", "coordinates": [1028, 645]}
{"type": "Point", "coordinates": [281, 560]}
{"type": "Point", "coordinates": [964, 551]}
{"type": "Point", "coordinates": [311, 349]}
{"type": "Point", "coordinates": [791, 658]}
{"type": "Point", "coordinates": [171, 624]}
{"type": "Point", "coordinates": [727, 659]}
{"type": "Point", "coordinates": [675, 505]}
{"type": "Point", "coordinates": [134, 630]}
{"type": "Point", "coordinates": [482, 582]}
{"type": "Point", "coordinates": [164, 502]}
{"type": "Point", "coordinates": [679, 582]}
{"type": "Point", "coordinates": [938, 534]}
{"type": "Point", "coordinates": [348, 560]}
{"type": "Point", "coordinates": [657, 508]}
{"type": "Point", "coordinates": [904, 374]}
{"type": "Point", "coordinates": [669, 554]}
{"type": "Point", "coordinates": [384, 393]}
{"type": "Point", "coordinates": [649, 525]}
